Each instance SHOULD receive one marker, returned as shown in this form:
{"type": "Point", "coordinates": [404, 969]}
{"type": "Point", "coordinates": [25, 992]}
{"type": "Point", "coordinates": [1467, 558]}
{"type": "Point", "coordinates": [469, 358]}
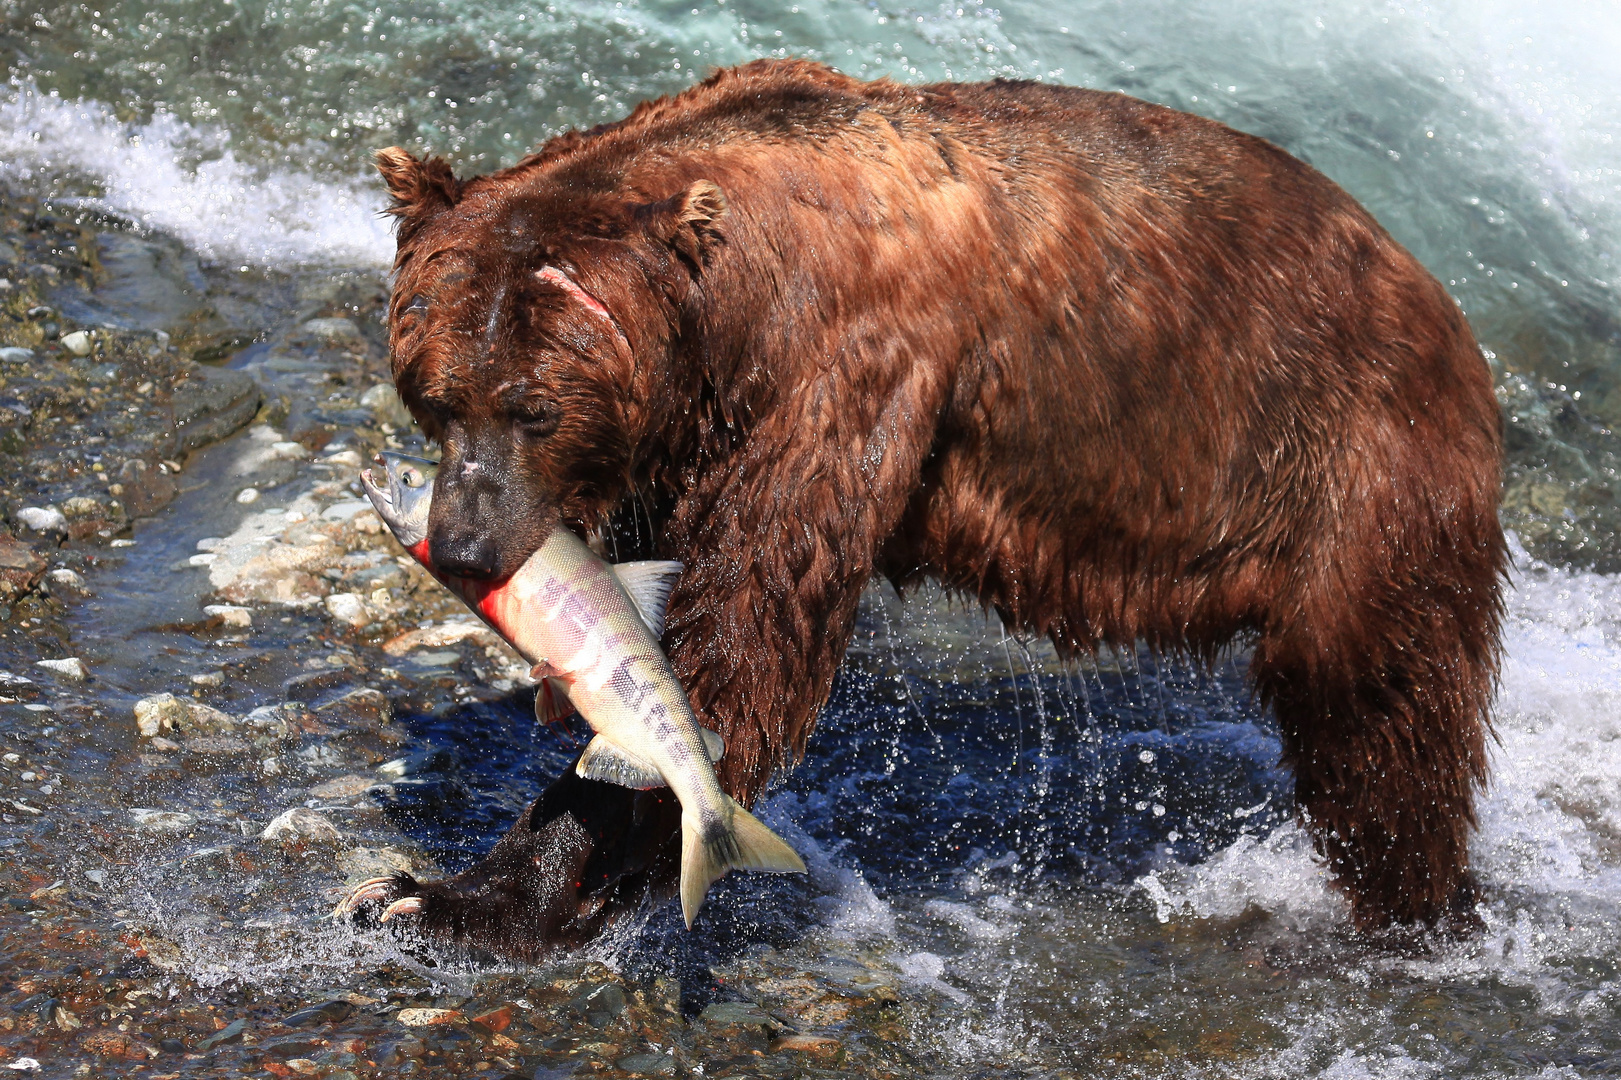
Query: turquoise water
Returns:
{"type": "Point", "coordinates": [1483, 135]}
{"type": "Point", "coordinates": [1486, 136]}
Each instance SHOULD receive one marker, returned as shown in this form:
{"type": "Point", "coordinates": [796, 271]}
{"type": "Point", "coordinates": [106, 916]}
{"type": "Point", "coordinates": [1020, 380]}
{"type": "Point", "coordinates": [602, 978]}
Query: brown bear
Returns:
{"type": "Point", "coordinates": [1124, 374]}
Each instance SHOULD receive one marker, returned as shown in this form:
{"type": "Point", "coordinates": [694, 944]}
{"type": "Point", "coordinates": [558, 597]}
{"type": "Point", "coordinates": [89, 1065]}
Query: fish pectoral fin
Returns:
{"type": "Point", "coordinates": [649, 584]}
{"type": "Point", "coordinates": [552, 704]}
{"type": "Point", "coordinates": [714, 744]}
{"type": "Point", "coordinates": [613, 764]}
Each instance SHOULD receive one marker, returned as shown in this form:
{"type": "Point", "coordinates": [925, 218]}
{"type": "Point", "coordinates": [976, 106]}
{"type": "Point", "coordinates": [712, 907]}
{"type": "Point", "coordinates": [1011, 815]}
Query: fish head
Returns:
{"type": "Point", "coordinates": [403, 494]}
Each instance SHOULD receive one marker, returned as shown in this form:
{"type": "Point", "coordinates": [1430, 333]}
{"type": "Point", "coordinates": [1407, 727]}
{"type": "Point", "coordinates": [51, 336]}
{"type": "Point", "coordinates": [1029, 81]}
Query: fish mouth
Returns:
{"type": "Point", "coordinates": [405, 494]}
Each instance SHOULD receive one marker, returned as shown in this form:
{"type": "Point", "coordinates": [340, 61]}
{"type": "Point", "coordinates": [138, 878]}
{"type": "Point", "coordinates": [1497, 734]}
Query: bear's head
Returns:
{"type": "Point", "coordinates": [534, 332]}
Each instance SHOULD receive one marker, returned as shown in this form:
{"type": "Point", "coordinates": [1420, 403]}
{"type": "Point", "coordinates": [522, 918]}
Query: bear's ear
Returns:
{"type": "Point", "coordinates": [688, 221]}
{"type": "Point", "coordinates": [420, 186]}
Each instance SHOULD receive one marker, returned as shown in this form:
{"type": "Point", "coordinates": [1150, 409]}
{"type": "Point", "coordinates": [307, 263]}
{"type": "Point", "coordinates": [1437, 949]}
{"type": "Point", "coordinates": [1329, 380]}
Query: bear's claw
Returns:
{"type": "Point", "coordinates": [407, 905]}
{"type": "Point", "coordinates": [373, 890]}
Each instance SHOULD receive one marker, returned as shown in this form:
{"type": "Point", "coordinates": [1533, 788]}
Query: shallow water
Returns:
{"type": "Point", "coordinates": [1089, 869]}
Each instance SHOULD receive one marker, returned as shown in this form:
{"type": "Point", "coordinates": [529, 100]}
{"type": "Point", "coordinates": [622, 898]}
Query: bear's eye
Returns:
{"type": "Point", "coordinates": [535, 421]}
{"type": "Point", "coordinates": [413, 312]}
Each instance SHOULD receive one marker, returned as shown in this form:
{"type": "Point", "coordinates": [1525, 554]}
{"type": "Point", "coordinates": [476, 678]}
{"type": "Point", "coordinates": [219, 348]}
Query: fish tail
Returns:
{"type": "Point", "coordinates": [747, 844]}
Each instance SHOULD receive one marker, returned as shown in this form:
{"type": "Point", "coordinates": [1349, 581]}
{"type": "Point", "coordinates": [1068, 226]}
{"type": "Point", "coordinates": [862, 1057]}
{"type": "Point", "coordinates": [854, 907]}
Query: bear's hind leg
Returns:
{"type": "Point", "coordinates": [1382, 707]}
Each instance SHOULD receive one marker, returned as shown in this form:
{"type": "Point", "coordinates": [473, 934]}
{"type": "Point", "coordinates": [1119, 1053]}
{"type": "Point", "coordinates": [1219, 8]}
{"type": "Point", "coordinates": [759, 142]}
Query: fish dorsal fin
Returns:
{"type": "Point", "coordinates": [613, 764]}
{"type": "Point", "coordinates": [713, 743]}
{"type": "Point", "coordinates": [649, 584]}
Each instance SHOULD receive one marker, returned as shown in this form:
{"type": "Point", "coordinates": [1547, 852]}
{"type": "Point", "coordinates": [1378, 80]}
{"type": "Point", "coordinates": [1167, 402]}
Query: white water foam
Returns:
{"type": "Point", "coordinates": [184, 180]}
{"type": "Point", "coordinates": [1548, 852]}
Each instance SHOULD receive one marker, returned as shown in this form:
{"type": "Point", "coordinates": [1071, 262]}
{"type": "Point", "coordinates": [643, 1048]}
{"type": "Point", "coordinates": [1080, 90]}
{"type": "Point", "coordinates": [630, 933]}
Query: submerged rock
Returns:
{"type": "Point", "coordinates": [79, 343]}
{"type": "Point", "coordinates": [20, 568]}
{"type": "Point", "coordinates": [147, 488]}
{"type": "Point", "coordinates": [161, 820]}
{"type": "Point", "coordinates": [426, 1017]}
{"type": "Point", "coordinates": [69, 668]}
{"type": "Point", "coordinates": [165, 712]}
{"type": "Point", "coordinates": [43, 518]}
{"type": "Point", "coordinates": [300, 823]}
{"type": "Point", "coordinates": [342, 787]}
{"type": "Point", "coordinates": [325, 1013]}
{"type": "Point", "coordinates": [230, 615]}
{"type": "Point", "coordinates": [363, 863]}
{"type": "Point", "coordinates": [348, 608]}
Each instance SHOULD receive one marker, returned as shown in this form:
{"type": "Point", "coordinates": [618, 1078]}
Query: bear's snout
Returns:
{"type": "Point", "coordinates": [464, 554]}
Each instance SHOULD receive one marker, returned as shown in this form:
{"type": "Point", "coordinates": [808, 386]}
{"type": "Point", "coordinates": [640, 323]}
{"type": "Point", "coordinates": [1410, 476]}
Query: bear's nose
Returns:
{"type": "Point", "coordinates": [464, 555]}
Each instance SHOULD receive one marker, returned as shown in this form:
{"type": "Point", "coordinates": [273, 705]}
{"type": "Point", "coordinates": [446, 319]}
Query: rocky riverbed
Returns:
{"type": "Point", "coordinates": [214, 661]}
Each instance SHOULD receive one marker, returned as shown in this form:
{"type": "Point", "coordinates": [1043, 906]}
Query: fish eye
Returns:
{"type": "Point", "coordinates": [412, 477]}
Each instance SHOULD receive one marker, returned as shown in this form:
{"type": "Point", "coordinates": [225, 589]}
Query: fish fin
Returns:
{"type": "Point", "coordinates": [746, 845]}
{"type": "Point", "coordinates": [613, 764]}
{"type": "Point", "coordinates": [552, 704]}
{"type": "Point", "coordinates": [714, 743]}
{"type": "Point", "coordinates": [649, 584]}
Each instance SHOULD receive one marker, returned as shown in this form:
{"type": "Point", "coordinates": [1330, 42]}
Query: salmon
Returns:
{"type": "Point", "coordinates": [591, 629]}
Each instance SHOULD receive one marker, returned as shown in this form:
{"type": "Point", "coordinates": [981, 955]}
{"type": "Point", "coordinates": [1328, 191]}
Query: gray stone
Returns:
{"type": "Point", "coordinates": [230, 1033]}
{"type": "Point", "coordinates": [300, 823]}
{"type": "Point", "coordinates": [328, 1012]}
{"type": "Point", "coordinates": [43, 518]}
{"type": "Point", "coordinates": [735, 1014]}
{"type": "Point", "coordinates": [601, 1005]}
{"type": "Point", "coordinates": [147, 488]}
{"type": "Point", "coordinates": [211, 404]}
{"type": "Point", "coordinates": [331, 331]}
{"type": "Point", "coordinates": [70, 668]}
{"type": "Point", "coordinates": [161, 820]}
{"type": "Point", "coordinates": [648, 1064]}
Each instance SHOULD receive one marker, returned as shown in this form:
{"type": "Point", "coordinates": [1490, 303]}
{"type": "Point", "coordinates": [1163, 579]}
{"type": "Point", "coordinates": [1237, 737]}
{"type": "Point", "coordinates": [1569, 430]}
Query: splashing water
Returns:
{"type": "Point", "coordinates": [1091, 868]}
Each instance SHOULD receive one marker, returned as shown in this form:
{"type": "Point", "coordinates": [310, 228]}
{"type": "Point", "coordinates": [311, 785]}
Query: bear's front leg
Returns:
{"type": "Point", "coordinates": [580, 857]}
{"type": "Point", "coordinates": [778, 539]}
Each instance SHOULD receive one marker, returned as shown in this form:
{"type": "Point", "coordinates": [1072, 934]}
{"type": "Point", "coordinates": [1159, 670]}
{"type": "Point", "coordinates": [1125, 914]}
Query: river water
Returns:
{"type": "Point", "coordinates": [1090, 869]}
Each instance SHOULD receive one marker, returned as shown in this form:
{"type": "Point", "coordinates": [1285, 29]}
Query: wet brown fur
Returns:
{"type": "Point", "coordinates": [1122, 373]}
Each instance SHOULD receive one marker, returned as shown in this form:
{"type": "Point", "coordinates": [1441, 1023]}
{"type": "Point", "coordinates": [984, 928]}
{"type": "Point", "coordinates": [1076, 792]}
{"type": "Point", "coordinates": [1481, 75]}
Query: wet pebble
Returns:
{"type": "Point", "coordinates": [725, 1016]}
{"type": "Point", "coordinates": [165, 712]}
{"type": "Point", "coordinates": [67, 578]}
{"type": "Point", "coordinates": [426, 1017]}
{"type": "Point", "coordinates": [656, 1064]}
{"type": "Point", "coordinates": [821, 1045]}
{"type": "Point", "coordinates": [79, 343]}
{"type": "Point", "coordinates": [70, 667]}
{"type": "Point", "coordinates": [363, 863]}
{"type": "Point", "coordinates": [325, 1013]}
{"type": "Point", "coordinates": [332, 330]}
{"type": "Point", "coordinates": [230, 615]}
{"type": "Point", "coordinates": [343, 787]}
{"type": "Point", "coordinates": [161, 820]}
{"type": "Point", "coordinates": [600, 1005]}
{"type": "Point", "coordinates": [300, 823]}
{"type": "Point", "coordinates": [348, 608]}
{"type": "Point", "coordinates": [230, 1033]}
{"type": "Point", "coordinates": [43, 518]}
{"type": "Point", "coordinates": [216, 745]}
